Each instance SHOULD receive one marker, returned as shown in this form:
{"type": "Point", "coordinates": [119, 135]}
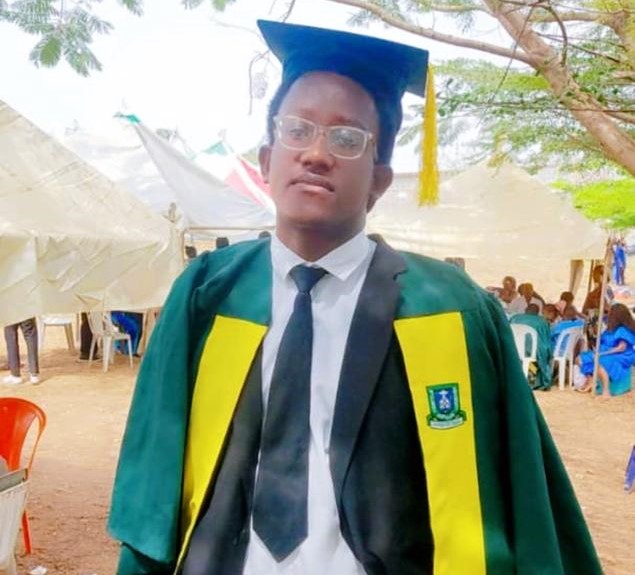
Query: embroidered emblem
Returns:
{"type": "Point", "coordinates": [445, 406]}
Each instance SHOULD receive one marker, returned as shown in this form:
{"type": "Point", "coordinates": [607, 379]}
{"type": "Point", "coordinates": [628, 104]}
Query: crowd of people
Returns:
{"type": "Point", "coordinates": [523, 305]}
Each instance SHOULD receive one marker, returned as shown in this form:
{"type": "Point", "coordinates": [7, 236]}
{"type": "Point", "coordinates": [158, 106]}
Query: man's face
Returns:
{"type": "Point", "coordinates": [313, 189]}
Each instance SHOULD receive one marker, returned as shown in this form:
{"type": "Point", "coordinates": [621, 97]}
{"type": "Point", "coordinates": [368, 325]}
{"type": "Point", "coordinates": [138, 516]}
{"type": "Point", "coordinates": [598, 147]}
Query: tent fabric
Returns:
{"type": "Point", "coordinates": [160, 174]}
{"type": "Point", "coordinates": [70, 239]}
{"type": "Point", "coordinates": [205, 201]}
{"type": "Point", "coordinates": [501, 220]}
{"type": "Point", "coordinates": [114, 149]}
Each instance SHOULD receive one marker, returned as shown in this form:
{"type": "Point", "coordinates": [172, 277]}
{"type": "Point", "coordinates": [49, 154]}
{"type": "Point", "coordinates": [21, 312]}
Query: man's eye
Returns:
{"type": "Point", "coordinates": [347, 138]}
{"type": "Point", "coordinates": [298, 132]}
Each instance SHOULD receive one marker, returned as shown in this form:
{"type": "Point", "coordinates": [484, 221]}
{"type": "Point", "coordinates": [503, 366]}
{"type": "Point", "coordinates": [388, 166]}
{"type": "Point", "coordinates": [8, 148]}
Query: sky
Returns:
{"type": "Point", "coordinates": [175, 69]}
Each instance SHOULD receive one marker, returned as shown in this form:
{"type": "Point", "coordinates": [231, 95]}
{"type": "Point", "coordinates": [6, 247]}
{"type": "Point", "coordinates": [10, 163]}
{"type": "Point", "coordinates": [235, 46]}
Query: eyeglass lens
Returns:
{"type": "Point", "coordinates": [343, 141]}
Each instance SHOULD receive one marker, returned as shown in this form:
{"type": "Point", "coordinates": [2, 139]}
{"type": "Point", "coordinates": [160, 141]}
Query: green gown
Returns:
{"type": "Point", "coordinates": [499, 497]}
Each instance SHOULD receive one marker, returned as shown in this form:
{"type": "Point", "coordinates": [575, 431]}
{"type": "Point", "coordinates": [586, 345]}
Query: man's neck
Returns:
{"type": "Point", "coordinates": [312, 244]}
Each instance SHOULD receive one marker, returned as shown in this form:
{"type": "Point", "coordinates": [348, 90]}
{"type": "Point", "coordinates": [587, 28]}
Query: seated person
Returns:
{"type": "Point", "coordinates": [569, 319]}
{"type": "Point", "coordinates": [222, 242]}
{"type": "Point", "coordinates": [508, 292]}
{"type": "Point", "coordinates": [532, 318]}
{"type": "Point", "coordinates": [616, 351]}
{"type": "Point", "coordinates": [190, 252]}
{"type": "Point", "coordinates": [550, 313]}
{"type": "Point", "coordinates": [526, 290]}
{"type": "Point", "coordinates": [130, 323]}
{"type": "Point", "coordinates": [566, 299]}
{"type": "Point", "coordinates": [509, 297]}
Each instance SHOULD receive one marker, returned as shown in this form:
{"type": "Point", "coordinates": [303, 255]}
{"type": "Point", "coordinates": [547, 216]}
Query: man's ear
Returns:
{"type": "Point", "coordinates": [264, 159]}
{"type": "Point", "coordinates": [382, 178]}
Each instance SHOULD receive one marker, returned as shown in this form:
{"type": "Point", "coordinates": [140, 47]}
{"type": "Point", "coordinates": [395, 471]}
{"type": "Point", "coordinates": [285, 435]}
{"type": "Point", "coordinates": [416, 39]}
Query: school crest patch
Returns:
{"type": "Point", "coordinates": [445, 406]}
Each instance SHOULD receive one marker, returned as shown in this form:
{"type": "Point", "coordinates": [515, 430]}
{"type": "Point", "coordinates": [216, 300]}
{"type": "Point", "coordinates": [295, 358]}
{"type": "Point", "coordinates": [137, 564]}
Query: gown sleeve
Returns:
{"type": "Point", "coordinates": [145, 505]}
{"type": "Point", "coordinates": [550, 533]}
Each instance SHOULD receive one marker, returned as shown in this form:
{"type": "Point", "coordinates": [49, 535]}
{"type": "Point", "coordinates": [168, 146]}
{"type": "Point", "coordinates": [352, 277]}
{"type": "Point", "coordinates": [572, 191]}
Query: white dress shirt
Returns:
{"type": "Point", "coordinates": [334, 299]}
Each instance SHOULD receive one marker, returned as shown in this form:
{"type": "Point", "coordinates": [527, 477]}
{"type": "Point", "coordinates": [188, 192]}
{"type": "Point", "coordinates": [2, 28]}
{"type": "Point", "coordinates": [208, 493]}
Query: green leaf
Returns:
{"type": "Point", "coordinates": [50, 52]}
{"type": "Point", "coordinates": [46, 52]}
{"type": "Point", "coordinates": [32, 16]}
{"type": "Point", "coordinates": [611, 202]}
{"type": "Point", "coordinates": [134, 6]}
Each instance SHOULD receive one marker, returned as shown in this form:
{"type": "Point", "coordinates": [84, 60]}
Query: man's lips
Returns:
{"type": "Point", "coordinates": [313, 181]}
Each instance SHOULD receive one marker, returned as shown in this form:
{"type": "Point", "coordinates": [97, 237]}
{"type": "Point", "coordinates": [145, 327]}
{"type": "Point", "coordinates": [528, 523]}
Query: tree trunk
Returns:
{"type": "Point", "coordinates": [616, 144]}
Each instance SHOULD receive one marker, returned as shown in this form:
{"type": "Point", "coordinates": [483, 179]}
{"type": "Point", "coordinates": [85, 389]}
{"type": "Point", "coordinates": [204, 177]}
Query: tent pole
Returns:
{"type": "Point", "coordinates": [608, 256]}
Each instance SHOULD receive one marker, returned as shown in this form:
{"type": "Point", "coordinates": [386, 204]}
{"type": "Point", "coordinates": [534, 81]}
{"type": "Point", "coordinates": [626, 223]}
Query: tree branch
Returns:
{"type": "Point", "coordinates": [623, 117]}
{"type": "Point", "coordinates": [555, 38]}
{"type": "Point", "coordinates": [451, 9]}
{"type": "Point", "coordinates": [571, 16]}
{"type": "Point", "coordinates": [388, 18]}
{"type": "Point", "coordinates": [616, 144]}
{"type": "Point", "coordinates": [616, 21]}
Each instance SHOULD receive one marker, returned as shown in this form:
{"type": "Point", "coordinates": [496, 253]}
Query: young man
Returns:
{"type": "Point", "coordinates": [318, 403]}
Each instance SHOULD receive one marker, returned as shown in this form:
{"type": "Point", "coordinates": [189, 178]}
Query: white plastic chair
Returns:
{"type": "Point", "coordinates": [521, 332]}
{"type": "Point", "coordinates": [105, 332]}
{"type": "Point", "coordinates": [12, 502]}
{"type": "Point", "coordinates": [64, 321]}
{"type": "Point", "coordinates": [563, 353]}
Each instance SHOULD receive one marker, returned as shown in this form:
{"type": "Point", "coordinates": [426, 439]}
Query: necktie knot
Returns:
{"type": "Point", "coordinates": [306, 277]}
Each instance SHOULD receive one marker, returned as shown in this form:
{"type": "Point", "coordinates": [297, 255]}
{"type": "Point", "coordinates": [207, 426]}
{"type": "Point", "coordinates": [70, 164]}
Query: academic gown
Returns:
{"type": "Point", "coordinates": [497, 498]}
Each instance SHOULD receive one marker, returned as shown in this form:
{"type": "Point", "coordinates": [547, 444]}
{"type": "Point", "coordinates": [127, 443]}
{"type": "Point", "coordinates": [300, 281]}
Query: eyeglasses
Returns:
{"type": "Point", "coordinates": [347, 142]}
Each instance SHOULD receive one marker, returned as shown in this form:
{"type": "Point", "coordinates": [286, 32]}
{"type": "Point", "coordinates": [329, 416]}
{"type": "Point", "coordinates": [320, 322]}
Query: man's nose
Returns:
{"type": "Point", "coordinates": [318, 152]}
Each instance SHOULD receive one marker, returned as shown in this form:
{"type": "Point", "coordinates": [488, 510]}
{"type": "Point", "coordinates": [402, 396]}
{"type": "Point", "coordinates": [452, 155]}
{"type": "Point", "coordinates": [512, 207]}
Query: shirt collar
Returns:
{"type": "Point", "coordinates": [340, 262]}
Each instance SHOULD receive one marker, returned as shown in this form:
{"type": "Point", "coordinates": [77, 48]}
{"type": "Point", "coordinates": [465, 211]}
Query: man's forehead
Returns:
{"type": "Point", "coordinates": [319, 89]}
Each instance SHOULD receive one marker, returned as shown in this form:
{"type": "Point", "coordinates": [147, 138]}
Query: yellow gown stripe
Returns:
{"type": "Point", "coordinates": [435, 354]}
{"type": "Point", "coordinates": [227, 356]}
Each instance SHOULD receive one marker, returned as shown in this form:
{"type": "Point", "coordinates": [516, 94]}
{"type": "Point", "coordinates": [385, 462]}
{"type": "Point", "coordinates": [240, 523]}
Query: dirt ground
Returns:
{"type": "Point", "coordinates": [86, 410]}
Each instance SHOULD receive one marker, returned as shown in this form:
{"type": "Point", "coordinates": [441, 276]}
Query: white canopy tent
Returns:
{"type": "Point", "coordinates": [502, 221]}
{"type": "Point", "coordinates": [70, 239]}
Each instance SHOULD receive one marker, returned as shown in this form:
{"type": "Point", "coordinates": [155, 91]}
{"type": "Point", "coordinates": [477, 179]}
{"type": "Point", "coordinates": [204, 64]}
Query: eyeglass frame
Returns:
{"type": "Point", "coordinates": [369, 137]}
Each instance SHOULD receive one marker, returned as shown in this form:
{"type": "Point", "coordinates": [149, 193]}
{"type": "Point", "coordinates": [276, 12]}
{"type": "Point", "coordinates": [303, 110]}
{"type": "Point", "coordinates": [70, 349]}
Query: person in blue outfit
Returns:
{"type": "Point", "coordinates": [617, 354]}
{"type": "Point", "coordinates": [619, 262]}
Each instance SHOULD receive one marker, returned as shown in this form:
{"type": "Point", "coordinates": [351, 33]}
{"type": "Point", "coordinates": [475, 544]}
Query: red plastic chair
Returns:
{"type": "Point", "coordinates": [16, 417]}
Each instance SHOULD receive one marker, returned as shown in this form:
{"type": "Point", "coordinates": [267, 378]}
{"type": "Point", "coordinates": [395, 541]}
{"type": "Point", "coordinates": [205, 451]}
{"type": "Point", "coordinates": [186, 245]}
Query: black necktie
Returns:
{"type": "Point", "coordinates": [280, 496]}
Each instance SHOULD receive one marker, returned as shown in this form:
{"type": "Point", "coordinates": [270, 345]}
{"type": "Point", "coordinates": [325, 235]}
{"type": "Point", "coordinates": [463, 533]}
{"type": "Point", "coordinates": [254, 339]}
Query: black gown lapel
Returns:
{"type": "Point", "coordinates": [368, 341]}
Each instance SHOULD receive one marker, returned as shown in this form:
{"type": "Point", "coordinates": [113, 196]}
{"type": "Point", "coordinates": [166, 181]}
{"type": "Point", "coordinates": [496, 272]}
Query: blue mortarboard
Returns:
{"type": "Point", "coordinates": [385, 69]}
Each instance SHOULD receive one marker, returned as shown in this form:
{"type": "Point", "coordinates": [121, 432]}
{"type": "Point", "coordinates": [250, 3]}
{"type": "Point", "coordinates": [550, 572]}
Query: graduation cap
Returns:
{"type": "Point", "coordinates": [385, 69]}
